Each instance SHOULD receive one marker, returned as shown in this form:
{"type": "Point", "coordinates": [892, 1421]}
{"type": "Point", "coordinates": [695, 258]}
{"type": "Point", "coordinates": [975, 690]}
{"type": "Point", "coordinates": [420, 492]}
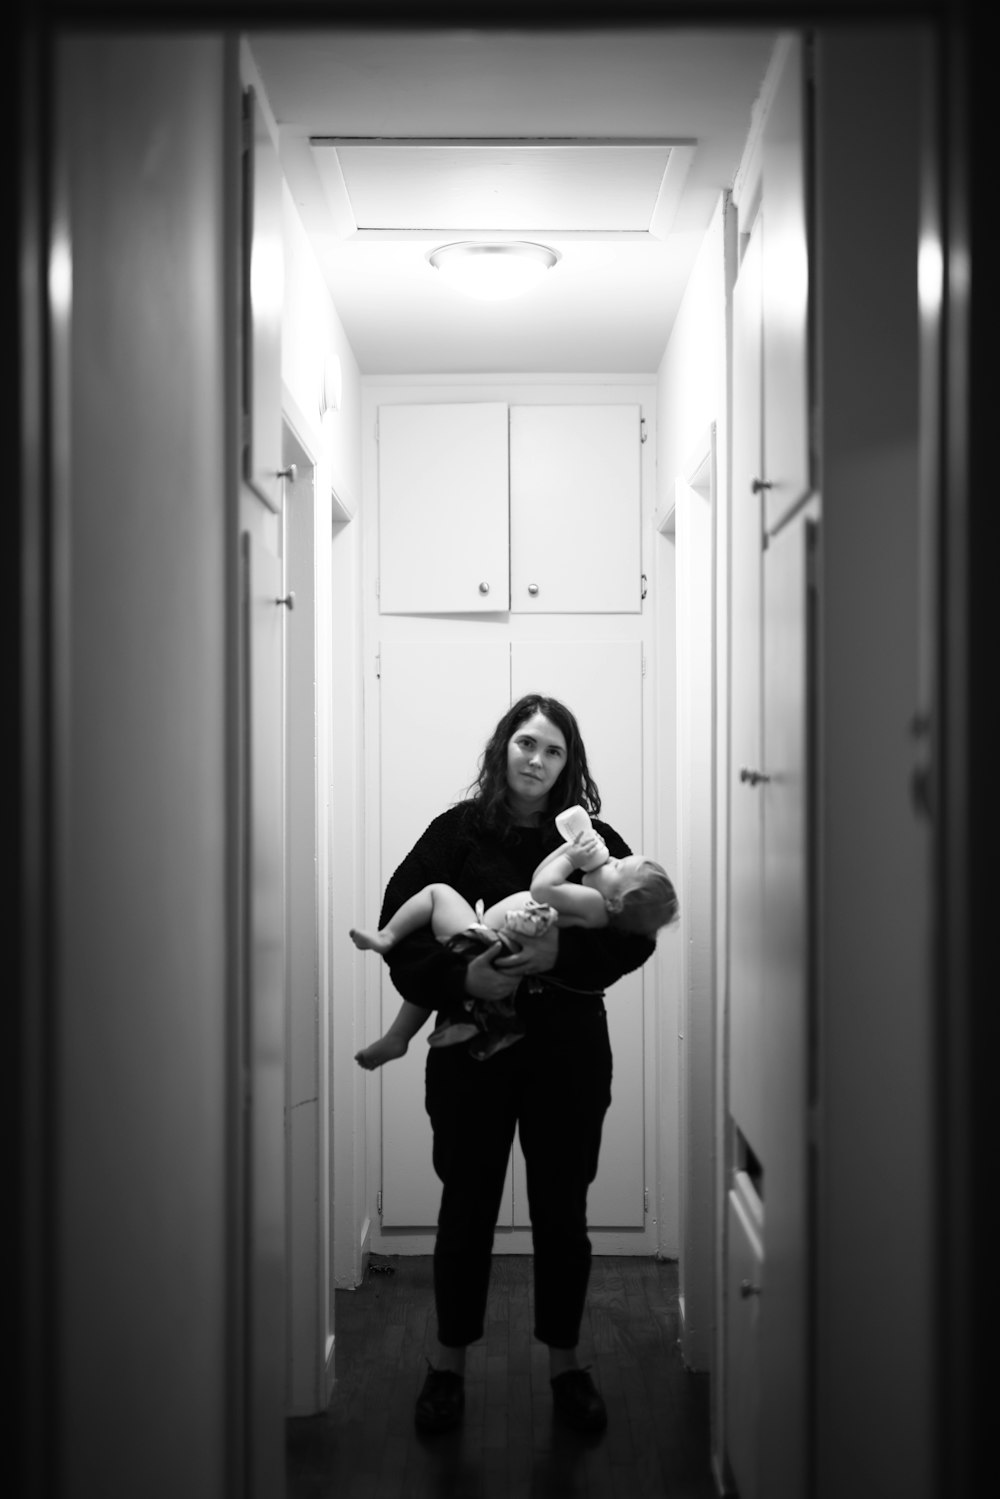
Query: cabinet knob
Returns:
{"type": "Point", "coordinates": [748, 1289]}
{"type": "Point", "coordinates": [288, 601]}
{"type": "Point", "coordinates": [752, 777]}
{"type": "Point", "coordinates": [484, 588]}
{"type": "Point", "coordinates": [758, 484]}
{"type": "Point", "coordinates": [532, 589]}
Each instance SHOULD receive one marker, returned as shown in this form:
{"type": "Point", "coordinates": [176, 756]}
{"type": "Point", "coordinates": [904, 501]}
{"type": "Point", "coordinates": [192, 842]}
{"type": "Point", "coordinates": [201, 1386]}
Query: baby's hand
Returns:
{"type": "Point", "coordinates": [587, 849]}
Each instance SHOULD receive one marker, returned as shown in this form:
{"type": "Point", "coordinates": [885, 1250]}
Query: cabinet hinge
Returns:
{"type": "Point", "coordinates": [642, 429]}
{"type": "Point", "coordinates": [378, 1203]}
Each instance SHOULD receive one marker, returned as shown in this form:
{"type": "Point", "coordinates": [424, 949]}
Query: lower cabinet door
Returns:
{"type": "Point", "coordinates": [744, 1286]}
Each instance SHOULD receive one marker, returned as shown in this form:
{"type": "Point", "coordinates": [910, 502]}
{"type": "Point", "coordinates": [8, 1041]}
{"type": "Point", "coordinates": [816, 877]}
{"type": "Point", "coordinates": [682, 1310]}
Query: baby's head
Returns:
{"type": "Point", "coordinates": [637, 892]}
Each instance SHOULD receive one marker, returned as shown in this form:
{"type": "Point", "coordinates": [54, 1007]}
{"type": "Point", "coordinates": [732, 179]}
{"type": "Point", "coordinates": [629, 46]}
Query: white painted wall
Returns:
{"type": "Point", "coordinates": [691, 397]}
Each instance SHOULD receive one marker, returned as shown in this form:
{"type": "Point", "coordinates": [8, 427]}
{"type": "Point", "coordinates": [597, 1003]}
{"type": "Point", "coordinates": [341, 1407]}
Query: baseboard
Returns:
{"type": "Point", "coordinates": [329, 1369]}
{"type": "Point", "coordinates": [366, 1249]}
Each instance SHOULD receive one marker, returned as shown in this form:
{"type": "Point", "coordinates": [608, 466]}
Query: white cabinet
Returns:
{"type": "Point", "coordinates": [443, 509]}
{"type": "Point", "coordinates": [574, 509]}
{"type": "Point", "coordinates": [485, 508]}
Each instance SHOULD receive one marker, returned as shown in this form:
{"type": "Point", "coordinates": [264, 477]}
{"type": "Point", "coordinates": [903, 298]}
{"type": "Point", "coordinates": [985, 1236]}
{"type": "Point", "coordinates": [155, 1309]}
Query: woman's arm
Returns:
{"type": "Point", "coordinates": [424, 971]}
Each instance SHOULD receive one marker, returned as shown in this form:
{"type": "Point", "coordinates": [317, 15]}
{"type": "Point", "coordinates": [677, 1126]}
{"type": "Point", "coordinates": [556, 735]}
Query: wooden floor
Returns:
{"type": "Point", "coordinates": [365, 1446]}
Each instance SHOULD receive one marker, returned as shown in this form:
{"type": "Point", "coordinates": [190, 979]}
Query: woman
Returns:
{"type": "Point", "coordinates": [554, 1086]}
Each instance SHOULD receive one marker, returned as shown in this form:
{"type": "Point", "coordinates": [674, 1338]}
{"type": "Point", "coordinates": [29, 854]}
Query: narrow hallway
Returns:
{"type": "Point", "coordinates": [365, 1445]}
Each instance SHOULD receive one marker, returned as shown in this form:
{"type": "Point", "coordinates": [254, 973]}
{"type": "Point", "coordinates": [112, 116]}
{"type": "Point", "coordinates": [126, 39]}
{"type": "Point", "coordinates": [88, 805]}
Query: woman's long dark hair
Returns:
{"type": "Point", "coordinates": [574, 786]}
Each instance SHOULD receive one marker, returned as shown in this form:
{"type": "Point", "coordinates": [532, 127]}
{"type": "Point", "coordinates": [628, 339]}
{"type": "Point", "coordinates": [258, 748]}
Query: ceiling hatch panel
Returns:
{"type": "Point", "coordinates": [517, 187]}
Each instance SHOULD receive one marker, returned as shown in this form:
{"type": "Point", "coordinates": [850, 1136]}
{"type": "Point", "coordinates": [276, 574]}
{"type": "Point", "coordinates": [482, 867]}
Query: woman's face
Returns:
{"type": "Point", "coordinates": [536, 756]}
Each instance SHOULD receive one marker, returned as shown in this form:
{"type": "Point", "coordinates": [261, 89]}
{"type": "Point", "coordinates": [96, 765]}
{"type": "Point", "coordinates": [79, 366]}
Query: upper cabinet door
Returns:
{"type": "Point", "coordinates": [786, 291]}
{"type": "Point", "coordinates": [443, 509]}
{"type": "Point", "coordinates": [575, 509]}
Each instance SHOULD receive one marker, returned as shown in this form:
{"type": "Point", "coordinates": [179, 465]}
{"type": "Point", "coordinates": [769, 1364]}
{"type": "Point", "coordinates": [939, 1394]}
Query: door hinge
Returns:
{"type": "Point", "coordinates": [643, 585]}
{"type": "Point", "coordinates": [378, 664]}
{"type": "Point", "coordinates": [642, 429]}
{"type": "Point", "coordinates": [642, 658]}
{"type": "Point", "coordinates": [645, 1199]}
{"type": "Point", "coordinates": [378, 1203]}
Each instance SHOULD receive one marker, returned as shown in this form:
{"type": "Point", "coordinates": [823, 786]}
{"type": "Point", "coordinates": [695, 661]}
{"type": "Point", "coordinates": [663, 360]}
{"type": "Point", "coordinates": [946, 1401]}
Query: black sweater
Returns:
{"type": "Point", "coordinates": [455, 850]}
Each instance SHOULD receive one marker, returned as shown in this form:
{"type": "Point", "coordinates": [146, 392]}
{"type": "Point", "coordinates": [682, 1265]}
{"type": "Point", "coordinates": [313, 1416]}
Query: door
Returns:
{"type": "Point", "coordinates": [263, 1027]}
{"type": "Point", "coordinates": [746, 1034]}
{"type": "Point", "coordinates": [261, 1061]}
{"type": "Point", "coordinates": [439, 703]}
{"type": "Point", "coordinates": [788, 878]}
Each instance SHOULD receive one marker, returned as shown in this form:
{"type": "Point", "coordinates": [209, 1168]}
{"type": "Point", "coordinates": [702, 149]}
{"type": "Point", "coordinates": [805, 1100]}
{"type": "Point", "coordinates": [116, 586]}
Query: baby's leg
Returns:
{"type": "Point", "coordinates": [409, 1019]}
{"type": "Point", "coordinates": [412, 914]}
{"type": "Point", "coordinates": [440, 906]}
{"type": "Point", "coordinates": [450, 913]}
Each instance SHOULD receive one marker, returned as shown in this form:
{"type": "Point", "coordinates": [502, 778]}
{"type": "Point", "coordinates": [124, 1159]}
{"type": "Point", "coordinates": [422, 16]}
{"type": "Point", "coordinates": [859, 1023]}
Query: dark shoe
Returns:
{"type": "Point", "coordinates": [577, 1402]}
{"type": "Point", "coordinates": [441, 1402]}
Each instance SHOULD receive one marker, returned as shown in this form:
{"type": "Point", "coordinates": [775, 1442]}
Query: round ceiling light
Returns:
{"type": "Point", "coordinates": [493, 272]}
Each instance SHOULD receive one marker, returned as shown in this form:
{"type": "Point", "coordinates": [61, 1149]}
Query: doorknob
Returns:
{"type": "Point", "coordinates": [532, 589]}
{"type": "Point", "coordinates": [748, 1289]}
{"type": "Point", "coordinates": [288, 601]}
{"type": "Point", "coordinates": [484, 588]}
{"type": "Point", "coordinates": [752, 777]}
{"type": "Point", "coordinates": [757, 485]}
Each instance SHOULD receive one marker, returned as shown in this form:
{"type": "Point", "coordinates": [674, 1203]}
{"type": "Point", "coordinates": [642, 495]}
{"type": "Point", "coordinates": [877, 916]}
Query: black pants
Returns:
{"type": "Point", "coordinates": [555, 1086]}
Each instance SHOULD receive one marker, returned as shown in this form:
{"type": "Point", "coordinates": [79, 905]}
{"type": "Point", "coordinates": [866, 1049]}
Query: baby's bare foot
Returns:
{"type": "Point", "coordinates": [385, 1049]}
{"type": "Point", "coordinates": [370, 941]}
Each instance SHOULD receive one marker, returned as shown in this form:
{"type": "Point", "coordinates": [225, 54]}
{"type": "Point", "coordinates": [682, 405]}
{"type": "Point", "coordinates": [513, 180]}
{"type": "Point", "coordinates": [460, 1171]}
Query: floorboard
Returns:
{"type": "Point", "coordinates": [364, 1446]}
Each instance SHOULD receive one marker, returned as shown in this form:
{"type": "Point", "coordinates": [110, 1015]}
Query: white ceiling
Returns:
{"type": "Point", "coordinates": [610, 146]}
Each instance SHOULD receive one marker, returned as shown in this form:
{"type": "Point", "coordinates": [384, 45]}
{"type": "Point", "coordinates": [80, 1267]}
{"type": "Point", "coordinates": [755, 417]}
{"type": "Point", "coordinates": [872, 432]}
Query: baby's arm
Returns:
{"type": "Point", "coordinates": [577, 905]}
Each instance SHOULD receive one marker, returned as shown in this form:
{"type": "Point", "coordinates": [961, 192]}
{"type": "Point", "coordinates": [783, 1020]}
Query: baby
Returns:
{"type": "Point", "coordinates": [633, 894]}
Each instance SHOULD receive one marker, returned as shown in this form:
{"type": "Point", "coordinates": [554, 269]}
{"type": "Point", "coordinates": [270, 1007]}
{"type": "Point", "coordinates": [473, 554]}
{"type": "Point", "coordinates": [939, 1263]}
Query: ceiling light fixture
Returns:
{"type": "Point", "coordinates": [493, 272]}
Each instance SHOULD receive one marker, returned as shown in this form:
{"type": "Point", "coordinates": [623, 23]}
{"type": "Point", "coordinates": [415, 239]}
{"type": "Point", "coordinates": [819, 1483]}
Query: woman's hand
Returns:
{"type": "Point", "coordinates": [537, 955]}
{"type": "Point", "coordinates": [484, 981]}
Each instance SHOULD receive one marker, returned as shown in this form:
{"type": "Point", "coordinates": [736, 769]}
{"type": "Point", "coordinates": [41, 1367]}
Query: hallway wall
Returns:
{"type": "Point", "coordinates": [140, 1288]}
{"type": "Point", "coordinates": [878, 1193]}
